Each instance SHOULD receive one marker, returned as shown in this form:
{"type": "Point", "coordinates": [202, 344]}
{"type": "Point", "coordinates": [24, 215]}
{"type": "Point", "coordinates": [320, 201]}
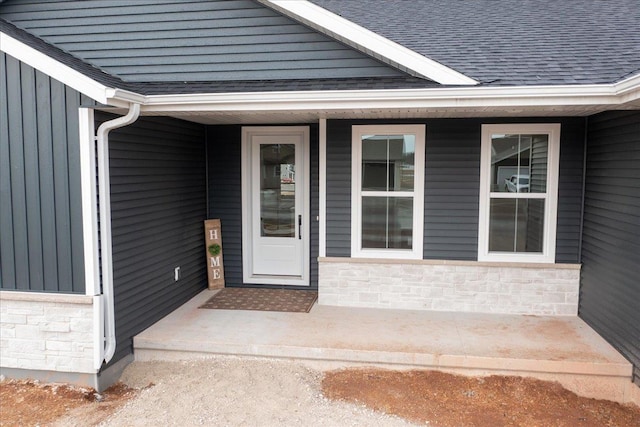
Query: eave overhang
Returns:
{"type": "Point", "coordinates": [611, 94]}
{"type": "Point", "coordinates": [605, 96]}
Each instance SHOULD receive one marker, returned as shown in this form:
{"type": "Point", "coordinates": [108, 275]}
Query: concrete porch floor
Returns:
{"type": "Point", "coordinates": [562, 349]}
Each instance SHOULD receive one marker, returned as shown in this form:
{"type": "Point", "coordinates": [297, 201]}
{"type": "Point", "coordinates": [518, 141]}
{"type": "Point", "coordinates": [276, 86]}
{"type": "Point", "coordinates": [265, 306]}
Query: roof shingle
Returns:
{"type": "Point", "coordinates": [507, 42]}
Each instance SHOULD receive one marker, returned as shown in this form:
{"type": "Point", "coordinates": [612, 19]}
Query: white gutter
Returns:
{"type": "Point", "coordinates": [104, 195]}
{"type": "Point", "coordinates": [627, 90]}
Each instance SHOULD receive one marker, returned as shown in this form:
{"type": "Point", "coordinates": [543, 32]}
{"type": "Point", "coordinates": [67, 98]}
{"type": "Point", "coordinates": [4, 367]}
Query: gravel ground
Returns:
{"type": "Point", "coordinates": [225, 391]}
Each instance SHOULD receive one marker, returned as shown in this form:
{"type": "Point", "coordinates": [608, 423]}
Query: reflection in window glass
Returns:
{"type": "Point", "coordinates": [516, 225]}
{"type": "Point", "coordinates": [387, 222]}
{"type": "Point", "coordinates": [519, 163]}
{"type": "Point", "coordinates": [388, 162]}
{"type": "Point", "coordinates": [277, 190]}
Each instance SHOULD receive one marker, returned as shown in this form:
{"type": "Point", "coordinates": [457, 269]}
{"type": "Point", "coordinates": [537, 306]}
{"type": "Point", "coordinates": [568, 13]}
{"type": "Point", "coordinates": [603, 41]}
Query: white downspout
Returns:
{"type": "Point", "coordinates": [104, 197]}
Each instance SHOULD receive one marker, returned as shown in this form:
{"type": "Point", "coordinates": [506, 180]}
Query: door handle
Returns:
{"type": "Point", "coordinates": [300, 227]}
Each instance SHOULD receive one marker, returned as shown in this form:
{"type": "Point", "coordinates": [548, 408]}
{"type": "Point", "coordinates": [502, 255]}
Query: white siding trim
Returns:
{"type": "Point", "coordinates": [368, 42]}
{"type": "Point", "coordinates": [604, 97]}
{"type": "Point", "coordinates": [551, 196]}
{"type": "Point", "coordinates": [322, 208]}
{"type": "Point", "coordinates": [247, 229]}
{"type": "Point", "coordinates": [418, 191]}
{"type": "Point", "coordinates": [89, 202]}
{"type": "Point", "coordinates": [98, 331]}
{"type": "Point", "coordinates": [53, 68]}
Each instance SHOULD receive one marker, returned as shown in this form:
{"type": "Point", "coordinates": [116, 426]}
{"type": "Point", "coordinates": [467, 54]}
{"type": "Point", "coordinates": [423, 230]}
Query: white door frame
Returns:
{"type": "Point", "coordinates": [248, 132]}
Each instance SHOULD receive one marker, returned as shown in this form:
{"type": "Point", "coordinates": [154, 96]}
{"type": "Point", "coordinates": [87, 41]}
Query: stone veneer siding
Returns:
{"type": "Point", "coordinates": [47, 332]}
{"type": "Point", "coordinates": [480, 287]}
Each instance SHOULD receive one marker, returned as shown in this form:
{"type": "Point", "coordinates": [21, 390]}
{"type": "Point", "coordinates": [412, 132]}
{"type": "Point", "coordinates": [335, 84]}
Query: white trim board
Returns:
{"type": "Point", "coordinates": [248, 229]}
{"type": "Point", "coordinates": [322, 202]}
{"type": "Point", "coordinates": [368, 42]}
{"type": "Point", "coordinates": [610, 95]}
{"type": "Point", "coordinates": [548, 253]}
{"type": "Point", "coordinates": [89, 202]}
{"type": "Point", "coordinates": [417, 193]}
{"type": "Point", "coordinates": [53, 68]}
{"type": "Point", "coordinates": [470, 97]}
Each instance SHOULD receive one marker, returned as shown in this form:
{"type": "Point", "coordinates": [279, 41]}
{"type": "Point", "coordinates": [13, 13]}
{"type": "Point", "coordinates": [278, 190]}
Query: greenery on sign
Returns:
{"type": "Point", "coordinates": [214, 249]}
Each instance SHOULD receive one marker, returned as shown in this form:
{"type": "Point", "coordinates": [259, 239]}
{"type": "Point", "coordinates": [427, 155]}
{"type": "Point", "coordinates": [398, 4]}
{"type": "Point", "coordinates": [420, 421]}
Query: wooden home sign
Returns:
{"type": "Point", "coordinates": [213, 240]}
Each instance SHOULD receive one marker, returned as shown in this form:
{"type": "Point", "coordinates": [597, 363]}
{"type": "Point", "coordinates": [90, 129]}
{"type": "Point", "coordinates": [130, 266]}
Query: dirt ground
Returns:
{"type": "Point", "coordinates": [31, 403]}
{"type": "Point", "coordinates": [447, 400]}
{"type": "Point", "coordinates": [258, 392]}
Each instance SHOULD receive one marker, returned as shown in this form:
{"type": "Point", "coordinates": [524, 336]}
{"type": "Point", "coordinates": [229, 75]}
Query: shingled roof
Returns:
{"type": "Point", "coordinates": [507, 42]}
{"type": "Point", "coordinates": [498, 43]}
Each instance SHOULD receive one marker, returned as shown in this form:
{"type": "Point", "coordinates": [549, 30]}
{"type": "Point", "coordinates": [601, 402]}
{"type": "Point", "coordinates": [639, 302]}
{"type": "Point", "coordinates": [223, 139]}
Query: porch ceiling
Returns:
{"type": "Point", "coordinates": [311, 116]}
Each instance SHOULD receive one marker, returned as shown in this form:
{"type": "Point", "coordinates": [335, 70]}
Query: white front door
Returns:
{"type": "Point", "coordinates": [275, 205]}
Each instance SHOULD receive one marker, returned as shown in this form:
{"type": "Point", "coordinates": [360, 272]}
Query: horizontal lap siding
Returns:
{"type": "Point", "coordinates": [452, 173]}
{"type": "Point", "coordinates": [610, 291]}
{"type": "Point", "coordinates": [41, 248]}
{"type": "Point", "coordinates": [452, 187]}
{"type": "Point", "coordinates": [172, 40]}
{"type": "Point", "coordinates": [570, 186]}
{"type": "Point", "coordinates": [225, 198]}
{"type": "Point", "coordinates": [225, 194]}
{"type": "Point", "coordinates": [314, 156]}
{"type": "Point", "coordinates": [158, 205]}
{"type": "Point", "coordinates": [338, 198]}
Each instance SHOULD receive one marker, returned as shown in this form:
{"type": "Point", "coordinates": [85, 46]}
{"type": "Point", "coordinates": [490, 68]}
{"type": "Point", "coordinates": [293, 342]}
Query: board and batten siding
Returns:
{"type": "Point", "coordinates": [41, 248]}
{"type": "Point", "coordinates": [199, 40]}
{"type": "Point", "coordinates": [225, 198]}
{"type": "Point", "coordinates": [158, 205]}
{"type": "Point", "coordinates": [452, 187]}
{"type": "Point", "coordinates": [609, 286]}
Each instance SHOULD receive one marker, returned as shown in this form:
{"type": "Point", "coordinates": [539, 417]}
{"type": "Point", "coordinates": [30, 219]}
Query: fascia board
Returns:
{"type": "Point", "coordinates": [522, 96]}
{"type": "Point", "coordinates": [365, 40]}
{"type": "Point", "coordinates": [628, 89]}
{"type": "Point", "coordinates": [53, 68]}
{"type": "Point", "coordinates": [125, 97]}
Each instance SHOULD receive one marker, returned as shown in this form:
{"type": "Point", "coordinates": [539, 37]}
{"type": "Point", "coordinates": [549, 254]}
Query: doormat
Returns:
{"type": "Point", "coordinates": [262, 300]}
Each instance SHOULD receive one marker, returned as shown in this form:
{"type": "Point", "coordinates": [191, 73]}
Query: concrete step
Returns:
{"type": "Point", "coordinates": [562, 349]}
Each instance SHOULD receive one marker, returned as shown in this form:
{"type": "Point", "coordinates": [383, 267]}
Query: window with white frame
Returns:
{"type": "Point", "coordinates": [387, 191]}
{"type": "Point", "coordinates": [518, 192]}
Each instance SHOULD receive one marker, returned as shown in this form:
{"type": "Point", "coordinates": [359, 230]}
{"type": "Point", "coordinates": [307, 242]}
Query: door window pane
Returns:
{"type": "Point", "coordinates": [516, 225]}
{"type": "Point", "coordinates": [277, 190]}
{"type": "Point", "coordinates": [387, 222]}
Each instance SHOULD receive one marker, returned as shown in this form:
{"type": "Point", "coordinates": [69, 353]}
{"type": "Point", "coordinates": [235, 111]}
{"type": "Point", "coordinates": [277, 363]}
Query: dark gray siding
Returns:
{"type": "Point", "coordinates": [41, 248]}
{"type": "Point", "coordinates": [570, 186]}
{"type": "Point", "coordinates": [338, 203]}
{"type": "Point", "coordinates": [610, 290]}
{"type": "Point", "coordinates": [158, 205]}
{"type": "Point", "coordinates": [225, 198]}
{"type": "Point", "coordinates": [224, 193]}
{"type": "Point", "coordinates": [452, 174]}
{"type": "Point", "coordinates": [199, 40]}
{"type": "Point", "coordinates": [315, 202]}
